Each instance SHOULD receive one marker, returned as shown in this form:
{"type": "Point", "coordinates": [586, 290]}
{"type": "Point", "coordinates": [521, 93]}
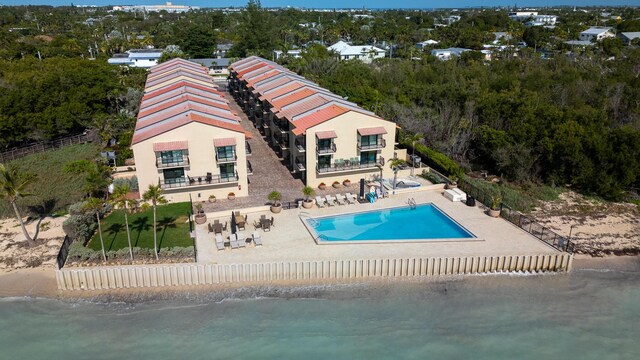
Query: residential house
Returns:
{"type": "Point", "coordinates": [295, 54]}
{"type": "Point", "coordinates": [364, 53]}
{"type": "Point", "coordinates": [168, 7]}
{"type": "Point", "coordinates": [628, 37]}
{"type": "Point", "coordinates": [447, 54]}
{"type": "Point", "coordinates": [597, 33]}
{"type": "Point", "coordinates": [320, 136]}
{"type": "Point", "coordinates": [187, 139]}
{"type": "Point", "coordinates": [142, 58]}
{"type": "Point", "coordinates": [217, 67]}
{"type": "Point", "coordinates": [424, 44]}
{"type": "Point", "coordinates": [532, 18]}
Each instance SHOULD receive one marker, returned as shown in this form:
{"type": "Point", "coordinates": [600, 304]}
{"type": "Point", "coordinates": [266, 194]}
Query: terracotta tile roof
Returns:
{"type": "Point", "coordinates": [171, 145]}
{"type": "Point", "coordinates": [168, 72]}
{"type": "Point", "coordinates": [173, 63]}
{"type": "Point", "coordinates": [224, 142]}
{"type": "Point", "coordinates": [291, 98]}
{"type": "Point", "coordinates": [285, 89]}
{"type": "Point", "coordinates": [148, 110]}
{"type": "Point", "coordinates": [170, 82]}
{"type": "Point", "coordinates": [186, 74]}
{"type": "Point", "coordinates": [243, 63]}
{"type": "Point", "coordinates": [182, 83]}
{"type": "Point", "coordinates": [316, 118]}
{"type": "Point", "coordinates": [378, 130]}
{"type": "Point", "coordinates": [251, 68]}
{"type": "Point", "coordinates": [184, 91]}
{"type": "Point", "coordinates": [181, 108]}
{"type": "Point", "coordinates": [264, 76]}
{"type": "Point", "coordinates": [326, 134]}
{"type": "Point", "coordinates": [309, 103]}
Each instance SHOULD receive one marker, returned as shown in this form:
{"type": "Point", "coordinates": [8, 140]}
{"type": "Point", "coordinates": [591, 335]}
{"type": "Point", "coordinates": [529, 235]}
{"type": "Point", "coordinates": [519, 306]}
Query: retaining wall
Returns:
{"type": "Point", "coordinates": [119, 277]}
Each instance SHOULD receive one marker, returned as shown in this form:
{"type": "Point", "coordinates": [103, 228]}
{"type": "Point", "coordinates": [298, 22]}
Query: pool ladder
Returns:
{"type": "Point", "coordinates": [412, 203]}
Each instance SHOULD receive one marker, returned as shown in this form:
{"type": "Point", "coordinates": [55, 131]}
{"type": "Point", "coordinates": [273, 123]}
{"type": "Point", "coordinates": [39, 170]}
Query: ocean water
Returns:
{"type": "Point", "coordinates": [583, 315]}
{"type": "Point", "coordinates": [424, 222]}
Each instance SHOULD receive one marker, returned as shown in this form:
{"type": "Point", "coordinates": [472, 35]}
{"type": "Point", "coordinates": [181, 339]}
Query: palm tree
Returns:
{"type": "Point", "coordinates": [13, 186]}
{"type": "Point", "coordinates": [394, 164]}
{"type": "Point", "coordinates": [414, 138]}
{"type": "Point", "coordinates": [154, 194]}
{"type": "Point", "coordinates": [95, 205]}
{"type": "Point", "coordinates": [120, 200]}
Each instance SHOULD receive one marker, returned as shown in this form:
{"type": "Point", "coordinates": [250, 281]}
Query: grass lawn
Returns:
{"type": "Point", "coordinates": [54, 190]}
{"type": "Point", "coordinates": [173, 228]}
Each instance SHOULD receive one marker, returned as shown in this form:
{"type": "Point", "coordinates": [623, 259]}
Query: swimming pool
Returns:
{"type": "Point", "coordinates": [424, 223]}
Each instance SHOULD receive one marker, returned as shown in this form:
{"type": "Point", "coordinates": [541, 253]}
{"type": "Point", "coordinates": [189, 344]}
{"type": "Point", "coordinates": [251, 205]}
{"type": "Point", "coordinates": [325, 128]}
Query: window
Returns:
{"type": "Point", "coordinates": [324, 161]}
{"type": "Point", "coordinates": [368, 140]}
{"type": "Point", "coordinates": [173, 176]}
{"type": "Point", "coordinates": [227, 171]}
{"type": "Point", "coordinates": [367, 157]}
{"type": "Point", "coordinates": [171, 157]}
{"type": "Point", "coordinates": [324, 144]}
{"type": "Point", "coordinates": [225, 153]}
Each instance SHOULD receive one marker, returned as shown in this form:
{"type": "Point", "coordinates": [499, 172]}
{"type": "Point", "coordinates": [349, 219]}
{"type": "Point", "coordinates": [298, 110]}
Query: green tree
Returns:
{"type": "Point", "coordinates": [154, 194]}
{"type": "Point", "coordinates": [121, 200]}
{"type": "Point", "coordinates": [13, 186]}
{"type": "Point", "coordinates": [96, 205]}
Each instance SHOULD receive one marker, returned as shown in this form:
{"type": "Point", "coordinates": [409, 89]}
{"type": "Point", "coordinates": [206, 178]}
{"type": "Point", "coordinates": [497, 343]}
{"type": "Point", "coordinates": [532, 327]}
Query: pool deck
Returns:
{"type": "Point", "coordinates": [289, 239]}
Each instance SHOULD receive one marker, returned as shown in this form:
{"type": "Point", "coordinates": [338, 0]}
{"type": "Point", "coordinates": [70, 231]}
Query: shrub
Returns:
{"type": "Point", "coordinates": [131, 181]}
{"type": "Point", "coordinates": [437, 160]}
{"type": "Point", "coordinates": [80, 228]}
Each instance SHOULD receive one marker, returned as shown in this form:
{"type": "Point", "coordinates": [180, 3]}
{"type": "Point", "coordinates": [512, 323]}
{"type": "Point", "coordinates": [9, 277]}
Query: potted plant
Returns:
{"type": "Point", "coordinates": [212, 198]}
{"type": "Point", "coordinates": [231, 196]}
{"type": "Point", "coordinates": [200, 217]}
{"type": "Point", "coordinates": [336, 184]}
{"type": "Point", "coordinates": [322, 186]}
{"type": "Point", "coordinates": [275, 198]}
{"type": "Point", "coordinates": [346, 182]}
{"type": "Point", "coordinates": [494, 210]}
{"type": "Point", "coordinates": [308, 192]}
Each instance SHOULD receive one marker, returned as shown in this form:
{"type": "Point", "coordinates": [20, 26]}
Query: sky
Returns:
{"type": "Point", "coordinates": [371, 4]}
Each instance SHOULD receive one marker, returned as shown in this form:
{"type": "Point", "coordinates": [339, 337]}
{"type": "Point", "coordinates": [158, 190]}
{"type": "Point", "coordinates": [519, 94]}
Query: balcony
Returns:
{"type": "Point", "coordinates": [350, 165]}
{"type": "Point", "coordinates": [281, 142]}
{"type": "Point", "coordinates": [326, 150]}
{"type": "Point", "coordinates": [192, 181]}
{"type": "Point", "coordinates": [226, 158]}
{"type": "Point", "coordinates": [247, 148]}
{"type": "Point", "coordinates": [171, 163]}
{"type": "Point", "coordinates": [299, 165]}
{"type": "Point", "coordinates": [380, 144]}
{"type": "Point", "coordinates": [249, 168]}
{"type": "Point", "coordinates": [300, 146]}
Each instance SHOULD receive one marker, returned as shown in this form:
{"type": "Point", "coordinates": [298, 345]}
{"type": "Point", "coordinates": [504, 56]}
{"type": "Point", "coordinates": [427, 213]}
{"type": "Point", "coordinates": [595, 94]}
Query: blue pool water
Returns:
{"type": "Point", "coordinates": [425, 222]}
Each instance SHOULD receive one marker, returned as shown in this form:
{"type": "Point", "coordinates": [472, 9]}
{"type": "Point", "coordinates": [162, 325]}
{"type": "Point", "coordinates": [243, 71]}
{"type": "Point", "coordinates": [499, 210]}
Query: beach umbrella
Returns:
{"type": "Point", "coordinates": [233, 223]}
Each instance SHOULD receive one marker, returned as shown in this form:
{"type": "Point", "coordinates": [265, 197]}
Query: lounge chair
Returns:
{"type": "Point", "coordinates": [219, 242]}
{"type": "Point", "coordinates": [330, 200]}
{"type": "Point", "coordinates": [257, 239]}
{"type": "Point", "coordinates": [242, 240]}
{"type": "Point", "coordinates": [340, 199]}
{"type": "Point", "coordinates": [234, 241]}
{"type": "Point", "coordinates": [320, 201]}
{"type": "Point", "coordinates": [350, 198]}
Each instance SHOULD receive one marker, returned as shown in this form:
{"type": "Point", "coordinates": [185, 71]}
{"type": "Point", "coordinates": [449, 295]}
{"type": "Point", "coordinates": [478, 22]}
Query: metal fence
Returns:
{"type": "Point", "coordinates": [43, 146]}
{"type": "Point", "coordinates": [64, 252]}
{"type": "Point", "coordinates": [524, 222]}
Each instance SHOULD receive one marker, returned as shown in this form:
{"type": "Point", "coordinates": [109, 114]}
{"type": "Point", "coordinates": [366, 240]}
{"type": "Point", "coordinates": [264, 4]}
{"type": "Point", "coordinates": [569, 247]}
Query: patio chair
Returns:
{"type": "Point", "coordinates": [219, 242]}
{"type": "Point", "coordinates": [257, 239]}
{"type": "Point", "coordinates": [330, 200]}
{"type": "Point", "coordinates": [210, 226]}
{"type": "Point", "coordinates": [320, 201]}
{"type": "Point", "coordinates": [341, 199]}
{"type": "Point", "coordinates": [233, 238]}
{"type": "Point", "coordinates": [350, 198]}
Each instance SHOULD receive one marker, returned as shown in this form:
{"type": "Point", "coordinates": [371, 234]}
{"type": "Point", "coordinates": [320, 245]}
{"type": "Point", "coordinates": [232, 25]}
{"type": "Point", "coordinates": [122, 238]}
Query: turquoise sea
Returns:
{"type": "Point", "coordinates": [588, 314]}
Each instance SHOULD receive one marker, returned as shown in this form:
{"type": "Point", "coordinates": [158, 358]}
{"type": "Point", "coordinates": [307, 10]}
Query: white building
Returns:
{"type": "Point", "coordinates": [296, 54]}
{"type": "Point", "coordinates": [364, 53]}
{"type": "Point", "coordinates": [446, 54]}
{"type": "Point", "coordinates": [142, 58]}
{"type": "Point", "coordinates": [427, 43]}
{"type": "Point", "coordinates": [168, 7]}
{"type": "Point", "coordinates": [597, 33]}
{"type": "Point", "coordinates": [628, 37]}
{"type": "Point", "coordinates": [532, 18]}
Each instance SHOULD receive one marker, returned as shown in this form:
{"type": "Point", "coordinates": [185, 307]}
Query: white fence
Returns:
{"type": "Point", "coordinates": [122, 277]}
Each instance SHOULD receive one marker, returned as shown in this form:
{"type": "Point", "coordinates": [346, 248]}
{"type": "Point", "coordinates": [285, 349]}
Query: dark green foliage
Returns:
{"type": "Point", "coordinates": [82, 223]}
{"type": "Point", "coordinates": [437, 160]}
{"type": "Point", "coordinates": [132, 182]}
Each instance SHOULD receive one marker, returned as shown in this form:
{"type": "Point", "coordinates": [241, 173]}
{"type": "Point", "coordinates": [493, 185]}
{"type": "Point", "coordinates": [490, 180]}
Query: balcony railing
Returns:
{"type": "Point", "coordinates": [249, 168]}
{"type": "Point", "coordinates": [326, 150]}
{"type": "Point", "coordinates": [281, 142]}
{"type": "Point", "coordinates": [247, 148]}
{"type": "Point", "coordinates": [299, 165]}
{"type": "Point", "coordinates": [381, 143]}
{"type": "Point", "coordinates": [348, 165]}
{"type": "Point", "coordinates": [226, 158]}
{"type": "Point", "coordinates": [300, 146]}
{"type": "Point", "coordinates": [169, 163]}
{"type": "Point", "coordinates": [189, 181]}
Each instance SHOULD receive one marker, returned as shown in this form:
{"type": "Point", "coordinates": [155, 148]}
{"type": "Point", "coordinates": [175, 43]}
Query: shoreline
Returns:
{"type": "Point", "coordinates": [40, 282]}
